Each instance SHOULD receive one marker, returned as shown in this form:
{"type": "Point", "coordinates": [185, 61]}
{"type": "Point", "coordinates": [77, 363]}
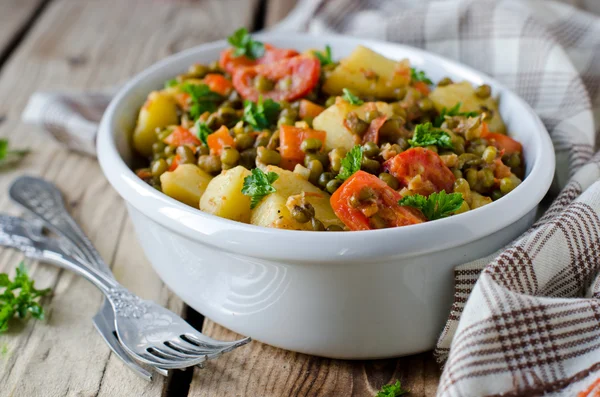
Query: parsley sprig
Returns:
{"type": "Point", "coordinates": [351, 98]}
{"type": "Point", "coordinates": [259, 185]}
{"type": "Point", "coordinates": [436, 206]}
{"type": "Point", "coordinates": [171, 83]}
{"type": "Point", "coordinates": [19, 297]}
{"type": "Point", "coordinates": [10, 157]}
{"type": "Point", "coordinates": [261, 114]}
{"type": "Point", "coordinates": [426, 135]}
{"type": "Point", "coordinates": [324, 56]}
{"type": "Point", "coordinates": [394, 390]}
{"type": "Point", "coordinates": [203, 131]}
{"type": "Point", "coordinates": [242, 44]}
{"type": "Point", "coordinates": [453, 111]}
{"type": "Point", "coordinates": [202, 99]}
{"type": "Point", "coordinates": [419, 75]}
{"type": "Point", "coordinates": [351, 163]}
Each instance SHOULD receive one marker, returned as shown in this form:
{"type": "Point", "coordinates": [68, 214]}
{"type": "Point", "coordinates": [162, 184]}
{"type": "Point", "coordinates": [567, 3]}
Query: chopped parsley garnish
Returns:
{"type": "Point", "coordinates": [242, 44]}
{"type": "Point", "coordinates": [453, 111]}
{"type": "Point", "coordinates": [19, 297]}
{"type": "Point", "coordinates": [427, 135]}
{"type": "Point", "coordinates": [259, 185]}
{"type": "Point", "coordinates": [202, 99]}
{"type": "Point", "coordinates": [394, 390]}
{"type": "Point", "coordinates": [203, 131]}
{"type": "Point", "coordinates": [436, 206]}
{"type": "Point", "coordinates": [9, 157]}
{"type": "Point", "coordinates": [171, 83]}
{"type": "Point", "coordinates": [419, 75]}
{"type": "Point", "coordinates": [324, 56]}
{"type": "Point", "coordinates": [351, 163]}
{"type": "Point", "coordinates": [351, 98]}
{"type": "Point", "coordinates": [261, 114]}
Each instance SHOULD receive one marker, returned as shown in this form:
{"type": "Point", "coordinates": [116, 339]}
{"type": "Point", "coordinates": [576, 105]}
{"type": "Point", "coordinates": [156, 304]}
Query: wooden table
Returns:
{"type": "Point", "coordinates": [91, 44]}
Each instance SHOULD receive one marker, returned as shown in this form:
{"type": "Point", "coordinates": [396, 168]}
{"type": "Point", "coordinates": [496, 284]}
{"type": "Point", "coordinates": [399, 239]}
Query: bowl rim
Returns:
{"type": "Point", "coordinates": [305, 246]}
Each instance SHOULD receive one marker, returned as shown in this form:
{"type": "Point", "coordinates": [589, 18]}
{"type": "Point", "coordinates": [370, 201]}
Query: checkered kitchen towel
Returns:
{"type": "Point", "coordinates": [526, 320]}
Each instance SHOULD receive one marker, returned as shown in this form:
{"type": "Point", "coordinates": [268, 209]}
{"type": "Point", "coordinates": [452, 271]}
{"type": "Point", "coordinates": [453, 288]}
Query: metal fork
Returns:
{"type": "Point", "coordinates": [151, 333]}
{"type": "Point", "coordinates": [45, 204]}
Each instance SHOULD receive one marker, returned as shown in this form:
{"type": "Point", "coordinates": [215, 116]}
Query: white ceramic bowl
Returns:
{"type": "Point", "coordinates": [369, 294]}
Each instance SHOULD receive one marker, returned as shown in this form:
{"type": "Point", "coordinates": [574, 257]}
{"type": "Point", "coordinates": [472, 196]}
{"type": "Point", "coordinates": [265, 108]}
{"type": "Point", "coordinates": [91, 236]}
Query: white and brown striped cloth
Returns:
{"type": "Point", "coordinates": [526, 320]}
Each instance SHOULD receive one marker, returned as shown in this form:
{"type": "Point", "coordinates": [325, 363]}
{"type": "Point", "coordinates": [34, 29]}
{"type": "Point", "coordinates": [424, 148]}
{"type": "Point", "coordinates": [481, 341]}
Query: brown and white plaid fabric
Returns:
{"type": "Point", "coordinates": [525, 320]}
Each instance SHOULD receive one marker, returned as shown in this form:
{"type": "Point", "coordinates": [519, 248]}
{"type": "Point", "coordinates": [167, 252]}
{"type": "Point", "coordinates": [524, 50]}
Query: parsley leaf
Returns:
{"type": "Point", "coordinates": [261, 114]}
{"type": "Point", "coordinates": [394, 390]}
{"type": "Point", "coordinates": [171, 83]}
{"type": "Point", "coordinates": [436, 206]}
{"type": "Point", "coordinates": [242, 44]}
{"type": "Point", "coordinates": [419, 75]}
{"type": "Point", "coordinates": [351, 98]}
{"type": "Point", "coordinates": [20, 304]}
{"type": "Point", "coordinates": [427, 135]}
{"type": "Point", "coordinates": [203, 131]}
{"type": "Point", "coordinates": [202, 99]}
{"type": "Point", "coordinates": [453, 111]}
{"type": "Point", "coordinates": [259, 185]}
{"type": "Point", "coordinates": [324, 56]}
{"type": "Point", "coordinates": [10, 157]}
{"type": "Point", "coordinates": [351, 163]}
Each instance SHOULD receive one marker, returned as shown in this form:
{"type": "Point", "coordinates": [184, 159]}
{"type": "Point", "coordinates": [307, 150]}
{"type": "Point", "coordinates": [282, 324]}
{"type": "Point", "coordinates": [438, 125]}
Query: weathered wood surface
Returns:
{"type": "Point", "coordinates": [81, 44]}
{"type": "Point", "coordinates": [77, 45]}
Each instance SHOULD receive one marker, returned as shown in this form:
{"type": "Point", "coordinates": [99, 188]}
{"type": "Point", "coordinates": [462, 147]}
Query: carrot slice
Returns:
{"type": "Point", "coordinates": [309, 109]}
{"type": "Point", "coordinates": [220, 139]}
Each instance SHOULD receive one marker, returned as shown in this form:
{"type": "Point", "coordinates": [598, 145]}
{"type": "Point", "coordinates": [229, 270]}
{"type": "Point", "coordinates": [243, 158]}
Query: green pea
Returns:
{"type": "Point", "coordinates": [214, 121]}
{"type": "Point", "coordinates": [468, 160]}
{"type": "Point", "coordinates": [514, 160]}
{"type": "Point", "coordinates": [390, 180]}
{"type": "Point", "coordinates": [227, 114]}
{"type": "Point", "coordinates": [489, 154]}
{"type": "Point", "coordinates": [400, 93]}
{"type": "Point", "coordinates": [158, 148]}
{"type": "Point", "coordinates": [335, 158]}
{"type": "Point", "coordinates": [268, 156]}
{"type": "Point", "coordinates": [506, 185]}
{"type": "Point", "coordinates": [198, 70]}
{"type": "Point", "coordinates": [457, 173]}
{"type": "Point", "coordinates": [370, 149]}
{"type": "Point", "coordinates": [483, 91]}
{"type": "Point", "coordinates": [300, 214]}
{"type": "Point", "coordinates": [356, 125]}
{"type": "Point", "coordinates": [334, 228]}
{"type": "Point", "coordinates": [425, 104]}
{"type": "Point", "coordinates": [321, 157]}
{"type": "Point", "coordinates": [317, 225]}
{"type": "Point", "coordinates": [391, 129]}
{"type": "Point", "coordinates": [203, 149]}
{"type": "Point", "coordinates": [186, 155]}
{"type": "Point", "coordinates": [316, 168]}
{"type": "Point", "coordinates": [230, 156]}
{"type": "Point", "coordinates": [210, 163]}
{"type": "Point", "coordinates": [162, 135]}
{"type": "Point", "coordinates": [496, 194]}
{"type": "Point", "coordinates": [370, 166]}
{"type": "Point", "coordinates": [170, 150]}
{"type": "Point", "coordinates": [263, 84]}
{"type": "Point", "coordinates": [371, 115]}
{"type": "Point", "coordinates": [330, 101]}
{"type": "Point", "coordinates": [399, 110]}
{"type": "Point", "coordinates": [486, 176]}
{"type": "Point", "coordinates": [471, 177]}
{"type": "Point", "coordinates": [262, 139]}
{"type": "Point", "coordinates": [333, 185]}
{"type": "Point", "coordinates": [244, 141]}
{"type": "Point", "coordinates": [158, 167]}
{"type": "Point", "coordinates": [248, 158]}
{"type": "Point", "coordinates": [445, 81]}
{"type": "Point", "coordinates": [311, 145]}
{"type": "Point", "coordinates": [215, 67]}
{"type": "Point", "coordinates": [324, 179]}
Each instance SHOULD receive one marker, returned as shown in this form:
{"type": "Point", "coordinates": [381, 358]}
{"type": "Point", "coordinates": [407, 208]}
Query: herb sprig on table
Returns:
{"type": "Point", "coordinates": [10, 156]}
{"type": "Point", "coordinates": [393, 390]}
{"type": "Point", "coordinates": [19, 297]}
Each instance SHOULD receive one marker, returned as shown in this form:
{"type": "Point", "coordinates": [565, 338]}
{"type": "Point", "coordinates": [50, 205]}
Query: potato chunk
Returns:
{"type": "Point", "coordinates": [273, 212]}
{"type": "Point", "coordinates": [463, 92]}
{"type": "Point", "coordinates": [367, 73]}
{"type": "Point", "coordinates": [331, 120]}
{"type": "Point", "coordinates": [159, 111]}
{"type": "Point", "coordinates": [186, 184]}
{"type": "Point", "coordinates": [224, 198]}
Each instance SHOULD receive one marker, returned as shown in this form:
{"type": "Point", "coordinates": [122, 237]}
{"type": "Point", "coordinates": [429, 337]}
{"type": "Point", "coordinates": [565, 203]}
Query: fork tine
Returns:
{"type": "Point", "coordinates": [209, 343]}
{"type": "Point", "coordinates": [164, 364]}
{"type": "Point", "coordinates": [168, 354]}
{"type": "Point", "coordinates": [186, 347]}
{"type": "Point", "coordinates": [173, 349]}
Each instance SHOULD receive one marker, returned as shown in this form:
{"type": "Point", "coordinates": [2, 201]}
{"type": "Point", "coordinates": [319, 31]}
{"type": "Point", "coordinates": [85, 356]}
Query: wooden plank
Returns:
{"type": "Point", "coordinates": [77, 45]}
{"type": "Point", "coordinates": [14, 17]}
{"type": "Point", "coordinates": [261, 370]}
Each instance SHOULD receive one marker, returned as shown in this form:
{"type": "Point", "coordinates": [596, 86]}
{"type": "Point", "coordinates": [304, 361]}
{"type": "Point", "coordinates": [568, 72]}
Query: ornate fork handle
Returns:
{"type": "Point", "coordinates": [46, 201]}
